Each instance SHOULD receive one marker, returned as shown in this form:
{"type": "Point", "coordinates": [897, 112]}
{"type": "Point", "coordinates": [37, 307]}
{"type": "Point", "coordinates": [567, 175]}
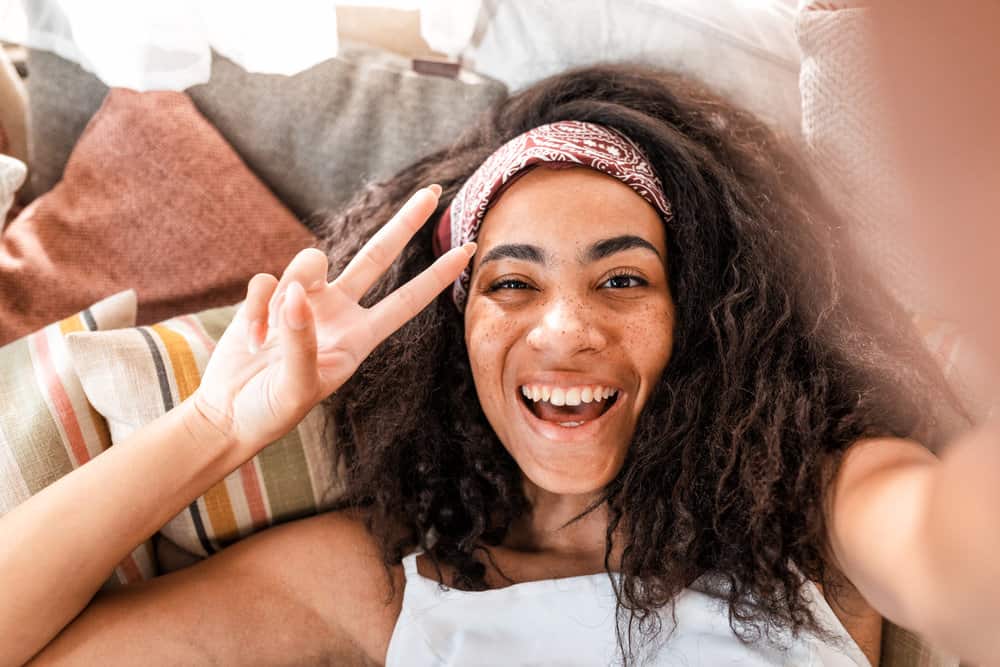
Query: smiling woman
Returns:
{"type": "Point", "coordinates": [661, 416]}
{"type": "Point", "coordinates": [735, 349]}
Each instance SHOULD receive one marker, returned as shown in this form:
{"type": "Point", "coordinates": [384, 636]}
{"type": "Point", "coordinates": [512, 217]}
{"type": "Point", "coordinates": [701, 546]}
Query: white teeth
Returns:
{"type": "Point", "coordinates": [573, 396]}
{"type": "Point", "coordinates": [570, 396]}
{"type": "Point", "coordinates": [572, 424]}
{"type": "Point", "coordinates": [558, 396]}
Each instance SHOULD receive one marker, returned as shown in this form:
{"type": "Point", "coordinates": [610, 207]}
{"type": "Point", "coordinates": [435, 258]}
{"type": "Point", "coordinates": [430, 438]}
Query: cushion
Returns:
{"type": "Point", "coordinates": [62, 98]}
{"type": "Point", "coordinates": [12, 174]}
{"type": "Point", "coordinates": [315, 138]}
{"type": "Point", "coordinates": [132, 376]}
{"type": "Point", "coordinates": [745, 50]}
{"type": "Point", "coordinates": [47, 427]}
{"type": "Point", "coordinates": [154, 199]}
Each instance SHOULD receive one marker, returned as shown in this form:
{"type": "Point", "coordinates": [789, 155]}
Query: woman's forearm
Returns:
{"type": "Point", "coordinates": [58, 547]}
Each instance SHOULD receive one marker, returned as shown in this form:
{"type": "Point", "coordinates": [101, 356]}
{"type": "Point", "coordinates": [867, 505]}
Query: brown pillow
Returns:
{"type": "Point", "coordinates": [152, 198]}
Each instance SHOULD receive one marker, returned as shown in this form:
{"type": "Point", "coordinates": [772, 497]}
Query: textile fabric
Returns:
{"type": "Point", "coordinates": [744, 50]}
{"type": "Point", "coordinates": [132, 376]}
{"type": "Point", "coordinates": [47, 426]}
{"type": "Point", "coordinates": [315, 139]}
{"type": "Point", "coordinates": [154, 199]}
{"type": "Point", "coordinates": [571, 622]}
{"type": "Point", "coordinates": [12, 175]}
{"type": "Point", "coordinates": [564, 143]}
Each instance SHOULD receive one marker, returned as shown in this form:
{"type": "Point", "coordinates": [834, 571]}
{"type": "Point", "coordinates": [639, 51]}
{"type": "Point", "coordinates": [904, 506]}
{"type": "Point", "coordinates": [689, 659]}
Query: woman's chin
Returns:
{"type": "Point", "coordinates": [571, 478]}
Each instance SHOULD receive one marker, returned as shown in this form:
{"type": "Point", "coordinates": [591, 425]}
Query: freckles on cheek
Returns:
{"type": "Point", "coordinates": [486, 342]}
{"type": "Point", "coordinates": [650, 333]}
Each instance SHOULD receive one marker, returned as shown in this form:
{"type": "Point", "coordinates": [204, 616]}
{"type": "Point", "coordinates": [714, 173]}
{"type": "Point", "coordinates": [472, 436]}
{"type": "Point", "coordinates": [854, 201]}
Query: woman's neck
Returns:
{"type": "Point", "coordinates": [554, 525]}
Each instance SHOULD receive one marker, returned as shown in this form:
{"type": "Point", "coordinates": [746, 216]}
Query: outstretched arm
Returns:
{"type": "Point", "coordinates": [287, 348]}
{"type": "Point", "coordinates": [58, 547]}
{"type": "Point", "coordinates": [919, 537]}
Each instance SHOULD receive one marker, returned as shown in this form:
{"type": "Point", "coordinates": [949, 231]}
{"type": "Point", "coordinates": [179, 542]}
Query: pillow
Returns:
{"type": "Point", "coordinates": [315, 138]}
{"type": "Point", "coordinates": [12, 173]}
{"type": "Point", "coordinates": [47, 427]}
{"type": "Point", "coordinates": [152, 199]}
{"type": "Point", "coordinates": [62, 98]}
{"type": "Point", "coordinates": [744, 50]}
{"type": "Point", "coordinates": [132, 376]}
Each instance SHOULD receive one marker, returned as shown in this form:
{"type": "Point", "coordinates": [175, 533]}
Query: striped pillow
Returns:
{"type": "Point", "coordinates": [47, 427]}
{"type": "Point", "coordinates": [133, 376]}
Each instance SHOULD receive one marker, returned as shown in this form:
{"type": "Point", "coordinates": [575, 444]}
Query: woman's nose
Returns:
{"type": "Point", "coordinates": [567, 326]}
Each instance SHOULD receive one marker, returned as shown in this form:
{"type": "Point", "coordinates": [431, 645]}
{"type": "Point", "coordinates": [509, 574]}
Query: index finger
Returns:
{"type": "Point", "coordinates": [398, 308]}
{"type": "Point", "coordinates": [384, 246]}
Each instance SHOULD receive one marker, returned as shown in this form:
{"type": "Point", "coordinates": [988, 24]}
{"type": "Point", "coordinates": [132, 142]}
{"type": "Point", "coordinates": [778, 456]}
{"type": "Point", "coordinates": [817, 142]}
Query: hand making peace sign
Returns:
{"type": "Point", "coordinates": [297, 340]}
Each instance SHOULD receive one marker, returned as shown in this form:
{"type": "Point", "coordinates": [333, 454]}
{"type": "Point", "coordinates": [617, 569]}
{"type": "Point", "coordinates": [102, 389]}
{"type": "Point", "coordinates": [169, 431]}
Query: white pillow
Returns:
{"type": "Point", "coordinates": [12, 173]}
{"type": "Point", "coordinates": [744, 49]}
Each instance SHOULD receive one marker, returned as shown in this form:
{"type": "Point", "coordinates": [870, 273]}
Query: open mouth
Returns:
{"type": "Point", "coordinates": [569, 408]}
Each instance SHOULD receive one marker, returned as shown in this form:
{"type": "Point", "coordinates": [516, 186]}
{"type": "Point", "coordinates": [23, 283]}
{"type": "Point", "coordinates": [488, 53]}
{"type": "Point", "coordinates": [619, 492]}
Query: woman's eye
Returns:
{"type": "Point", "coordinates": [508, 283]}
{"type": "Point", "coordinates": [625, 280]}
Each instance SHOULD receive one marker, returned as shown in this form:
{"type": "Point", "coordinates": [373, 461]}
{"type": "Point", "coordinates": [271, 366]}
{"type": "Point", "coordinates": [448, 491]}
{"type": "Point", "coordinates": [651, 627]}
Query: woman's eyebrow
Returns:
{"type": "Point", "coordinates": [608, 247]}
{"type": "Point", "coordinates": [522, 251]}
{"type": "Point", "coordinates": [599, 250]}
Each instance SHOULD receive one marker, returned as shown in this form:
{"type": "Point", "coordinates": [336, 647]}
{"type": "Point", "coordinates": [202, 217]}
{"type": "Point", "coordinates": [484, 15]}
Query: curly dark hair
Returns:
{"type": "Point", "coordinates": [785, 352]}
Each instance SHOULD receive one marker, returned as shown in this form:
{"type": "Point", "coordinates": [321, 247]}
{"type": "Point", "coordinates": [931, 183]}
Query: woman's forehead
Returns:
{"type": "Point", "coordinates": [569, 208]}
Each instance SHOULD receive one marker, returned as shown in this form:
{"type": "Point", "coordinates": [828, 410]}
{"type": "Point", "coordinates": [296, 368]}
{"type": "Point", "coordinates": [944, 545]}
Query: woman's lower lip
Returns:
{"type": "Point", "coordinates": [553, 431]}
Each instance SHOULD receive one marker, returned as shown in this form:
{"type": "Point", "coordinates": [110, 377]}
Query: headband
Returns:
{"type": "Point", "coordinates": [564, 144]}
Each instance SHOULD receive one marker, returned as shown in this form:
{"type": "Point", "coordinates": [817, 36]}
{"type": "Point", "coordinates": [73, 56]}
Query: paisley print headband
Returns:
{"type": "Point", "coordinates": [562, 144]}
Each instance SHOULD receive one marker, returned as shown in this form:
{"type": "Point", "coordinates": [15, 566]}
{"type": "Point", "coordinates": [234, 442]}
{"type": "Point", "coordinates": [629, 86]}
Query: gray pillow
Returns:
{"type": "Point", "coordinates": [62, 98]}
{"type": "Point", "coordinates": [315, 138]}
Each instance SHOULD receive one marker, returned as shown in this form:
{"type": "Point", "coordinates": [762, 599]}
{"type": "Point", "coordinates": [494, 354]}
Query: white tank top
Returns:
{"type": "Point", "coordinates": [571, 621]}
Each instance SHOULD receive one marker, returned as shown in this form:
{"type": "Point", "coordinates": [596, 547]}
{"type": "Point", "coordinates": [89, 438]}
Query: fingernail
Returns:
{"type": "Point", "coordinates": [435, 188]}
{"type": "Point", "coordinates": [470, 248]}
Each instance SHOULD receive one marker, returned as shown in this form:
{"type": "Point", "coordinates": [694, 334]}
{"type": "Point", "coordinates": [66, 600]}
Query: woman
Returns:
{"type": "Point", "coordinates": [652, 390]}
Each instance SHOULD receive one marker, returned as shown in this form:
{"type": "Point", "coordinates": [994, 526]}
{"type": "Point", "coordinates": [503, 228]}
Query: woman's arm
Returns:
{"type": "Point", "coordinates": [308, 592]}
{"type": "Point", "coordinates": [58, 547]}
{"type": "Point", "coordinates": [286, 349]}
{"type": "Point", "coordinates": [920, 537]}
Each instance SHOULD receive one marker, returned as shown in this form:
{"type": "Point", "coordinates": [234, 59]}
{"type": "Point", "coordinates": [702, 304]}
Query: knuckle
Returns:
{"type": "Point", "coordinates": [408, 297]}
{"type": "Point", "coordinates": [376, 256]}
{"type": "Point", "coordinates": [441, 275]}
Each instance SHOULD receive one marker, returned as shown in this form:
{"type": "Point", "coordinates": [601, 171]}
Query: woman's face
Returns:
{"type": "Point", "coordinates": [569, 303]}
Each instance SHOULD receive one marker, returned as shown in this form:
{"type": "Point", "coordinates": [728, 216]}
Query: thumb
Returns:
{"type": "Point", "coordinates": [299, 375]}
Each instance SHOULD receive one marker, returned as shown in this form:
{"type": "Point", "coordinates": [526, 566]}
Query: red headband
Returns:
{"type": "Point", "coordinates": [566, 143]}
